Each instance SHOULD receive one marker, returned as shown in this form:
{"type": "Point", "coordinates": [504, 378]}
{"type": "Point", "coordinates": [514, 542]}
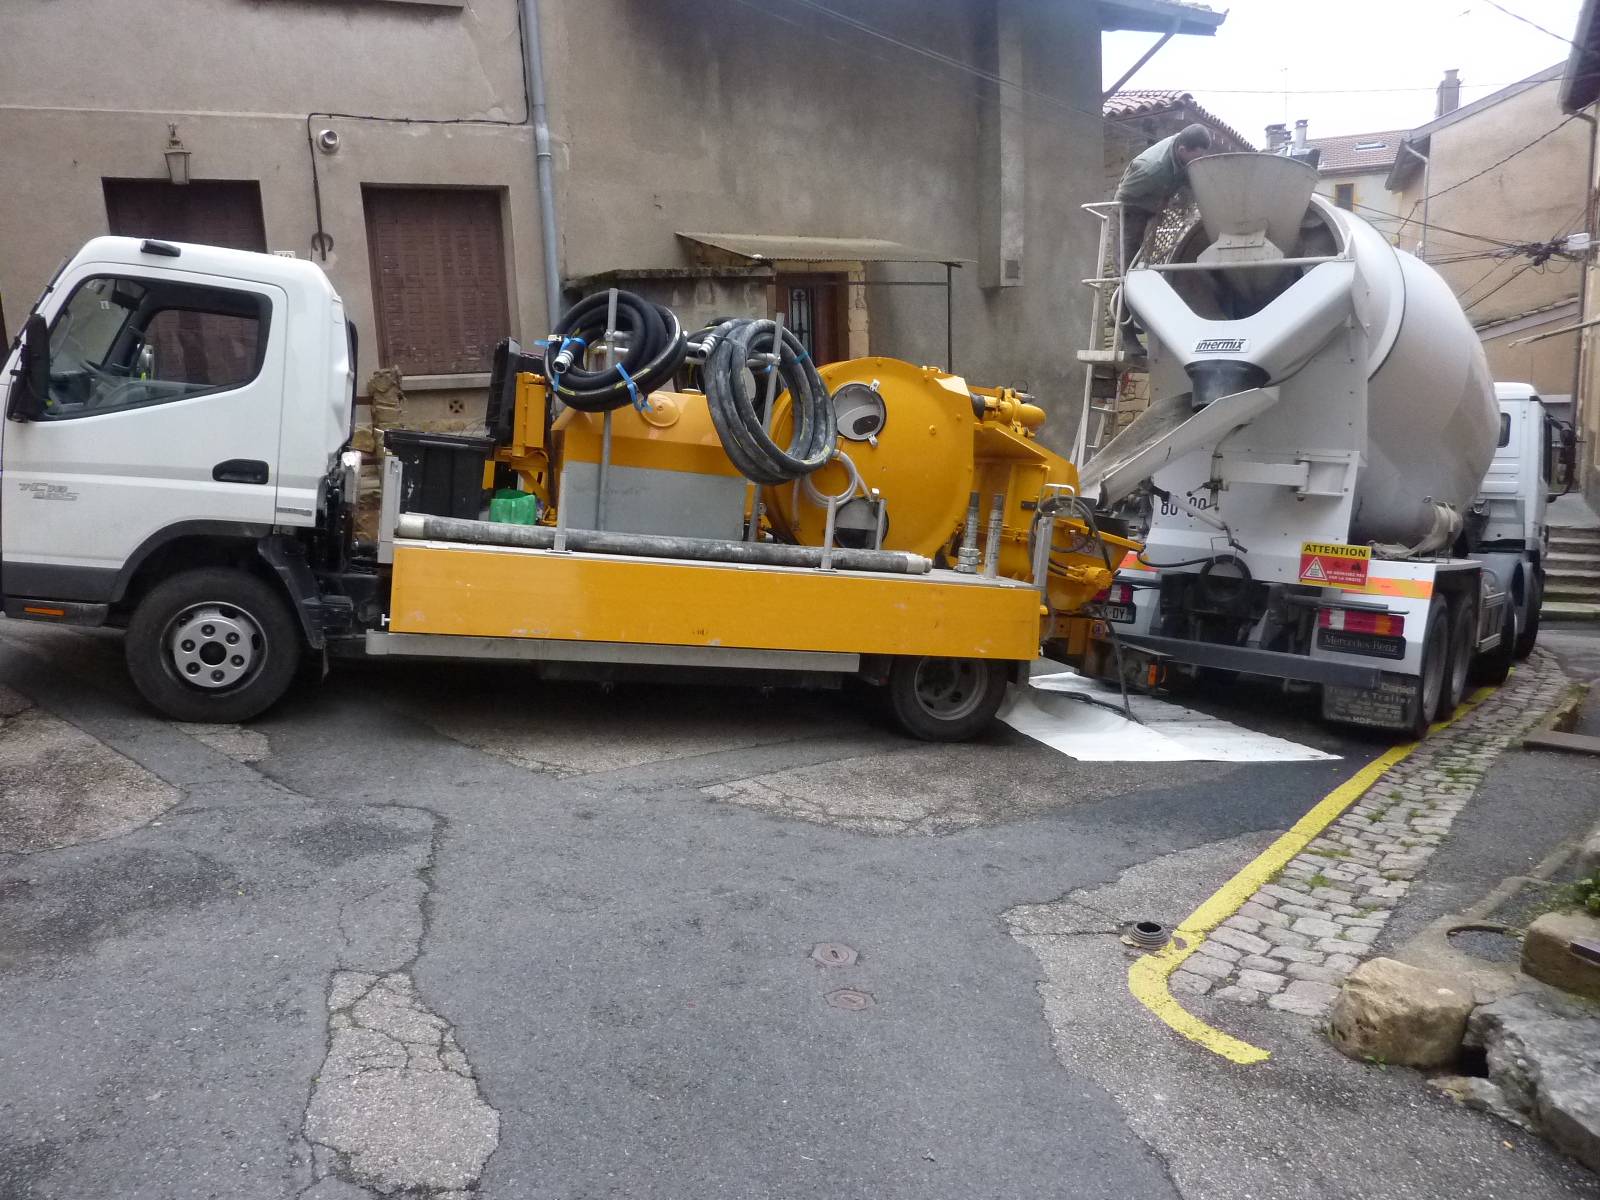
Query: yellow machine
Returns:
{"type": "Point", "coordinates": [935, 553]}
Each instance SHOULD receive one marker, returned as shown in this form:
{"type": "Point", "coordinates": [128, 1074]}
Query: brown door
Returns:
{"type": "Point", "coordinates": [814, 306]}
{"type": "Point", "coordinates": [212, 212]}
{"type": "Point", "coordinates": [438, 277]}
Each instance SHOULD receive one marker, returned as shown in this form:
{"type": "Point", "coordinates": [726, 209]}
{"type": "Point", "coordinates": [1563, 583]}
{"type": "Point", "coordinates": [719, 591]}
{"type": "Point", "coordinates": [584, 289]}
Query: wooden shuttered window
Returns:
{"type": "Point", "coordinates": [211, 212]}
{"type": "Point", "coordinates": [438, 277]}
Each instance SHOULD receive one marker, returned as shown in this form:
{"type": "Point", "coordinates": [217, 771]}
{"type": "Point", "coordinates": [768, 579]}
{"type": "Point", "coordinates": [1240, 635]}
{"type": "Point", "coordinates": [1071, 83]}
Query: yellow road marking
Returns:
{"type": "Point", "coordinates": [1147, 978]}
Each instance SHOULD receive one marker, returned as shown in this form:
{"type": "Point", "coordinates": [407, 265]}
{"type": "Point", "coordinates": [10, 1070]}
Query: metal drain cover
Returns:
{"type": "Point", "coordinates": [850, 999]}
{"type": "Point", "coordinates": [833, 954]}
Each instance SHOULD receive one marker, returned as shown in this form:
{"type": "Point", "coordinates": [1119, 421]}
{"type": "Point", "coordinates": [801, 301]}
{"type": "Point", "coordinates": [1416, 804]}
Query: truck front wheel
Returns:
{"type": "Point", "coordinates": [213, 645]}
{"type": "Point", "coordinates": [946, 699]}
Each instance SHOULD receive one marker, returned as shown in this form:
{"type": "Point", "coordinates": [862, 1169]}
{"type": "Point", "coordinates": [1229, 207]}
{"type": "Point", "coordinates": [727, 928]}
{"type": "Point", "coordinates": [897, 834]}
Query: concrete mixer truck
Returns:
{"type": "Point", "coordinates": [1309, 477]}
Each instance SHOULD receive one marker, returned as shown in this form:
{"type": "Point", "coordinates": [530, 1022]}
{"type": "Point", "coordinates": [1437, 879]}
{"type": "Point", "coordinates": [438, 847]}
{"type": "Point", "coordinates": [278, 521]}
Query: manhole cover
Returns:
{"type": "Point", "coordinates": [833, 954]}
{"type": "Point", "coordinates": [850, 999]}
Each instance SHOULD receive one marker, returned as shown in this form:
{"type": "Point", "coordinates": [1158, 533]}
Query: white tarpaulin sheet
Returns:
{"type": "Point", "coordinates": [1049, 711]}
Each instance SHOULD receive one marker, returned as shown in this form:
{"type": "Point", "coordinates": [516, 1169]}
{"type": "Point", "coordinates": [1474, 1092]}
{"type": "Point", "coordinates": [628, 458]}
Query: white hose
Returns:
{"type": "Point", "coordinates": [854, 485]}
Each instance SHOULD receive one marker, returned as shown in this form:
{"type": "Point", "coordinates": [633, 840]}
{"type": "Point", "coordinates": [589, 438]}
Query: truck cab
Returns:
{"type": "Point", "coordinates": [1532, 465]}
{"type": "Point", "coordinates": [197, 400]}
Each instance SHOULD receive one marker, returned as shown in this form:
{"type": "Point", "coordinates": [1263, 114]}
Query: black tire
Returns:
{"type": "Point", "coordinates": [946, 699]}
{"type": "Point", "coordinates": [247, 652]}
{"type": "Point", "coordinates": [1492, 668]}
{"type": "Point", "coordinates": [1530, 628]}
{"type": "Point", "coordinates": [1463, 638]}
{"type": "Point", "coordinates": [1431, 678]}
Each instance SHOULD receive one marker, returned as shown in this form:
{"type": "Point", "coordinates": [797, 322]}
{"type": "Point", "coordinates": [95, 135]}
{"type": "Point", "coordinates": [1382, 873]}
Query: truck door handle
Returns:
{"type": "Point", "coordinates": [240, 470]}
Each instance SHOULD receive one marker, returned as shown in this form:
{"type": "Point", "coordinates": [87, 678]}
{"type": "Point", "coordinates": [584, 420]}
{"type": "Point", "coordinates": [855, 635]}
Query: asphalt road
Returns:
{"type": "Point", "coordinates": [434, 928]}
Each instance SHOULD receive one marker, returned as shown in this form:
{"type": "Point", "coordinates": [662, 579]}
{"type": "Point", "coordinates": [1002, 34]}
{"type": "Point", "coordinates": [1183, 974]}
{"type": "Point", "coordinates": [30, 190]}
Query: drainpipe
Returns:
{"type": "Point", "coordinates": [1427, 178]}
{"type": "Point", "coordinates": [544, 160]}
{"type": "Point", "coordinates": [1583, 275]}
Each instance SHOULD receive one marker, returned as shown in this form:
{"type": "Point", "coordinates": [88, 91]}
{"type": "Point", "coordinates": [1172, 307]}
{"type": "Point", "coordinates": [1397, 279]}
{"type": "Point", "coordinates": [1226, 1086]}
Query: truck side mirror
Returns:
{"type": "Point", "coordinates": [30, 386]}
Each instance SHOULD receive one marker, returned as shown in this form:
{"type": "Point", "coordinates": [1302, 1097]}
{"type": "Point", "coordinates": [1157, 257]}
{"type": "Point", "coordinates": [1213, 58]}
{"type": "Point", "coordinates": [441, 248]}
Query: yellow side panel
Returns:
{"type": "Point", "coordinates": [480, 592]}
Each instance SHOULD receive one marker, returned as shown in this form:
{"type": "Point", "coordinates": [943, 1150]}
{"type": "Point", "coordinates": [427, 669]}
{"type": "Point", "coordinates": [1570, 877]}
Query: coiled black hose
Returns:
{"type": "Point", "coordinates": [655, 350]}
{"type": "Point", "coordinates": [738, 412]}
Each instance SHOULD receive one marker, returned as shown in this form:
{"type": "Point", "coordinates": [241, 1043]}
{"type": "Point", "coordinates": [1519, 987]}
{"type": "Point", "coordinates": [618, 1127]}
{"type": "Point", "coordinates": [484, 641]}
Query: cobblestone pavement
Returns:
{"type": "Point", "coordinates": [1293, 942]}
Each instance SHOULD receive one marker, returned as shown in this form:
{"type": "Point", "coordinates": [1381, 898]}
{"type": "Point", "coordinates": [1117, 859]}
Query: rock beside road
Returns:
{"type": "Point", "coordinates": [1392, 1012]}
{"type": "Point", "coordinates": [1544, 1056]}
{"type": "Point", "coordinates": [1545, 953]}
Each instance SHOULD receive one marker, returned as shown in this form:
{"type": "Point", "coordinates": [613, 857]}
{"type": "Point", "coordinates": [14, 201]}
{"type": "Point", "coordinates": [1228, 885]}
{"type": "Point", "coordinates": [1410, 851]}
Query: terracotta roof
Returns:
{"type": "Point", "coordinates": [1344, 153]}
{"type": "Point", "coordinates": [1150, 102]}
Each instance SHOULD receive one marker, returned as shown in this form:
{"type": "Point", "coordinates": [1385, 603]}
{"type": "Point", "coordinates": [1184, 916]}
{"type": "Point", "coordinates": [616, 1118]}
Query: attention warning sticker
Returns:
{"type": "Point", "coordinates": [1331, 564]}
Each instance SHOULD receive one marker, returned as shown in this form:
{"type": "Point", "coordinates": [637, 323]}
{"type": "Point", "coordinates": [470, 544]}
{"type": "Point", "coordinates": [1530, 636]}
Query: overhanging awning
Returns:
{"type": "Point", "coordinates": [773, 247]}
{"type": "Point", "coordinates": [1159, 16]}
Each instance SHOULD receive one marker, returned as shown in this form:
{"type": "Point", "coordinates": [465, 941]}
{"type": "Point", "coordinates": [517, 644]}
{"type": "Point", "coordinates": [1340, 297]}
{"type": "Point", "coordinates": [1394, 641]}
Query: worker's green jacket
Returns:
{"type": "Point", "coordinates": [1153, 178]}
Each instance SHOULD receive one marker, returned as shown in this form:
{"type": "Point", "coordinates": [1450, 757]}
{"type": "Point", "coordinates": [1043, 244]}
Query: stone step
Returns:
{"type": "Point", "coordinates": [1570, 558]}
{"type": "Point", "coordinates": [1581, 592]}
{"type": "Point", "coordinates": [1568, 610]}
{"type": "Point", "coordinates": [1582, 541]}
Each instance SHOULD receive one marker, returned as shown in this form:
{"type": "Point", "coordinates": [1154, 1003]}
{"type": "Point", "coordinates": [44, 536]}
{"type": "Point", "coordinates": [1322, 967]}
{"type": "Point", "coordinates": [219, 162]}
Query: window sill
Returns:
{"type": "Point", "coordinates": [444, 383]}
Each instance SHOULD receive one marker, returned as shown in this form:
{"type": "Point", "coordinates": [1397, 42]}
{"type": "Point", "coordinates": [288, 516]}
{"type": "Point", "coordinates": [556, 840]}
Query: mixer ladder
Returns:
{"type": "Point", "coordinates": [1108, 361]}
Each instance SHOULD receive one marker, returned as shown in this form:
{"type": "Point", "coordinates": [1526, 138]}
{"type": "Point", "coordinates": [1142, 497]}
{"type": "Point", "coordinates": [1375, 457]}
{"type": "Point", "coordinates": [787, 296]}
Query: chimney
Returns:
{"type": "Point", "coordinates": [1300, 136]}
{"type": "Point", "coordinates": [1449, 93]}
{"type": "Point", "coordinates": [1277, 138]}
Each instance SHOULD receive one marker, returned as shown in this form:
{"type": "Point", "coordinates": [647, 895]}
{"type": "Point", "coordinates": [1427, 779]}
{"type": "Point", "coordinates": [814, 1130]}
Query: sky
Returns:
{"type": "Point", "coordinates": [1349, 66]}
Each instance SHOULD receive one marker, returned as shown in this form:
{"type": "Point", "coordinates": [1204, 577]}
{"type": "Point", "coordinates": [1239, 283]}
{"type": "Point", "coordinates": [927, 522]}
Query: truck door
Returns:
{"type": "Point", "coordinates": [163, 413]}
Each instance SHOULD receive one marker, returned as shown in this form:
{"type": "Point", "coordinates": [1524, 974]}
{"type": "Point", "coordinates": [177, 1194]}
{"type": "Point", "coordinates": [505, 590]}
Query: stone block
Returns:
{"type": "Point", "coordinates": [1545, 953]}
{"type": "Point", "coordinates": [1545, 1058]}
{"type": "Point", "coordinates": [1261, 981]}
{"type": "Point", "coordinates": [1315, 927]}
{"type": "Point", "coordinates": [1305, 997]}
{"type": "Point", "coordinates": [1212, 968]}
{"type": "Point", "coordinates": [1392, 1012]}
{"type": "Point", "coordinates": [1249, 943]}
{"type": "Point", "coordinates": [1189, 983]}
{"type": "Point", "coordinates": [1294, 954]}
{"type": "Point", "coordinates": [1285, 937]}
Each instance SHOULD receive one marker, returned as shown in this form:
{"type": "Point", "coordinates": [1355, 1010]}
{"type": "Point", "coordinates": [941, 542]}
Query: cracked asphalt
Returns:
{"type": "Point", "coordinates": [433, 931]}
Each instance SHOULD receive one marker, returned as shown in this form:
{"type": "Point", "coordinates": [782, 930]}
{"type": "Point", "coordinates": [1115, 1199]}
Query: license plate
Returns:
{"type": "Point", "coordinates": [1121, 613]}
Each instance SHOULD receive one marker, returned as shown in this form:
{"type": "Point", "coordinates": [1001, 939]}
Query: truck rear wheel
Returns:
{"type": "Point", "coordinates": [946, 699]}
{"type": "Point", "coordinates": [212, 645]}
{"type": "Point", "coordinates": [1463, 640]}
{"type": "Point", "coordinates": [1431, 678]}
{"type": "Point", "coordinates": [1494, 667]}
{"type": "Point", "coordinates": [1530, 627]}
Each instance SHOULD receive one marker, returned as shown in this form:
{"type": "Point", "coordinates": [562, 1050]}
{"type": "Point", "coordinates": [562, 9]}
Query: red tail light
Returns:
{"type": "Point", "coordinates": [1355, 620]}
{"type": "Point", "coordinates": [1117, 593]}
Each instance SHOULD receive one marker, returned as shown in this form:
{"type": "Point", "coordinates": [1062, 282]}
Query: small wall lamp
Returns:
{"type": "Point", "coordinates": [177, 156]}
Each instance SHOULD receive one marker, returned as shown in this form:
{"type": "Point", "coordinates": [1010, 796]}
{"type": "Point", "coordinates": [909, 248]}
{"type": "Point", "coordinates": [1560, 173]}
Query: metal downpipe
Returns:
{"type": "Point", "coordinates": [544, 160]}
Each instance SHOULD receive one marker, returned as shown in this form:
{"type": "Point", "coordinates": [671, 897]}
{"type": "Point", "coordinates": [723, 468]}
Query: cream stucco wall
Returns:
{"type": "Point", "coordinates": [1375, 203]}
{"type": "Point", "coordinates": [1534, 196]}
{"type": "Point", "coordinates": [668, 115]}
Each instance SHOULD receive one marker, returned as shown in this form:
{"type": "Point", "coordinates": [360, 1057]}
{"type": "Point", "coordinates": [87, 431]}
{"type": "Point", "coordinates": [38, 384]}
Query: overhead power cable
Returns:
{"type": "Point", "coordinates": [1516, 16]}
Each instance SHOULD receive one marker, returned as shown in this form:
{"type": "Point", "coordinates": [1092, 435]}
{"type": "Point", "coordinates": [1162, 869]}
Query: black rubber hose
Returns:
{"type": "Point", "coordinates": [655, 350]}
{"type": "Point", "coordinates": [738, 412]}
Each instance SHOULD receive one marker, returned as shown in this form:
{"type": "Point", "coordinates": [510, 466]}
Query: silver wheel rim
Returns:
{"type": "Point", "coordinates": [948, 689]}
{"type": "Point", "coordinates": [215, 646]}
{"type": "Point", "coordinates": [1433, 668]}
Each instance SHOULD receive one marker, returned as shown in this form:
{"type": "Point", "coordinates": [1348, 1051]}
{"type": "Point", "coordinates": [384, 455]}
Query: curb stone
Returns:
{"type": "Point", "coordinates": [1319, 919]}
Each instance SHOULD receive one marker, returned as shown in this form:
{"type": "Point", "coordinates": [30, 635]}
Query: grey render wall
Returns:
{"type": "Point", "coordinates": [769, 118]}
{"type": "Point", "coordinates": [754, 116]}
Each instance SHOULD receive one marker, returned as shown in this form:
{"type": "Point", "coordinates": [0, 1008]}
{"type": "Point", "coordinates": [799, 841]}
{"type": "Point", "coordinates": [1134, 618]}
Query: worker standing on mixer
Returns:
{"type": "Point", "coordinates": [1148, 186]}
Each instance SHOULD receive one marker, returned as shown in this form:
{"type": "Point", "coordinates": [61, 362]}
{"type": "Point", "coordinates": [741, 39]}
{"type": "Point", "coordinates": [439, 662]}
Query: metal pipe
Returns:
{"type": "Point", "coordinates": [829, 529]}
{"type": "Point", "coordinates": [949, 318]}
{"type": "Point", "coordinates": [649, 545]}
{"type": "Point", "coordinates": [991, 549]}
{"type": "Point", "coordinates": [967, 558]}
{"type": "Point", "coordinates": [1579, 351]}
{"type": "Point", "coordinates": [544, 160]}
